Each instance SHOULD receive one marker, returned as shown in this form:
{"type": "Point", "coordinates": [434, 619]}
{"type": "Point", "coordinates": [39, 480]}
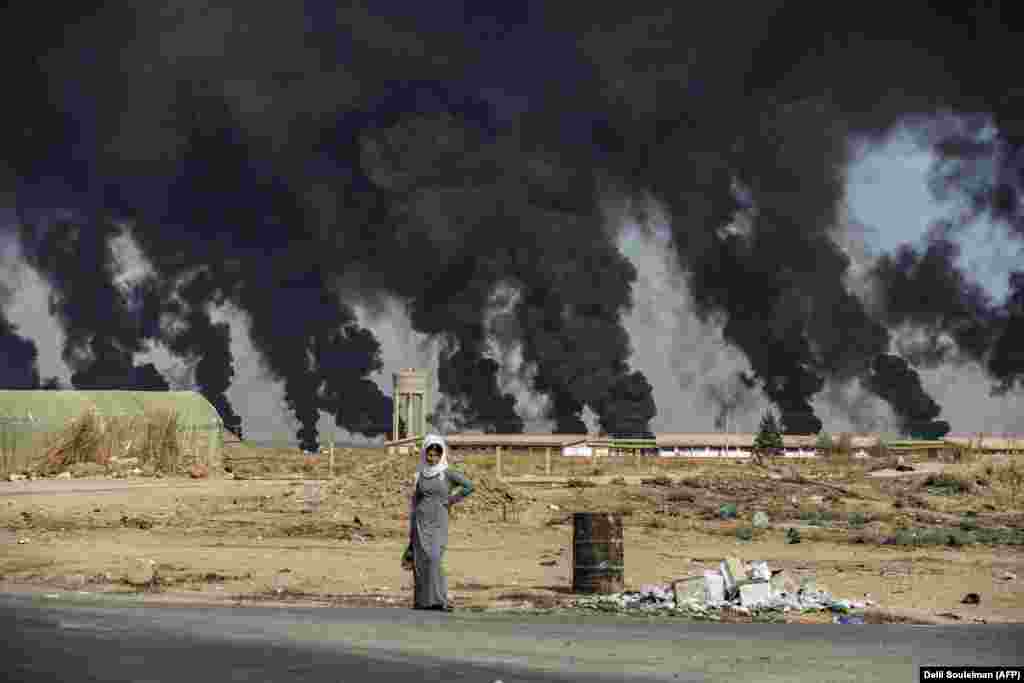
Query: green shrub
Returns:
{"type": "Point", "coordinates": [816, 518]}
{"type": "Point", "coordinates": [745, 533]}
{"type": "Point", "coordinates": [792, 536]}
{"type": "Point", "coordinates": [947, 484]}
{"type": "Point", "coordinates": [857, 520]}
{"type": "Point", "coordinates": [727, 511]}
{"type": "Point", "coordinates": [957, 537]}
{"type": "Point", "coordinates": [1000, 536]}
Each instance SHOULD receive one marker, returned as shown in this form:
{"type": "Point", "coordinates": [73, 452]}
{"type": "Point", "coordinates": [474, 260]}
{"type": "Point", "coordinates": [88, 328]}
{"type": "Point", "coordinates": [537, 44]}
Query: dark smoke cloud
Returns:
{"type": "Point", "coordinates": [435, 155]}
{"type": "Point", "coordinates": [1007, 358]}
{"type": "Point", "coordinates": [774, 118]}
{"type": "Point", "coordinates": [208, 346]}
{"type": "Point", "coordinates": [895, 381]}
{"type": "Point", "coordinates": [18, 355]}
{"type": "Point", "coordinates": [927, 291]}
{"type": "Point", "coordinates": [104, 325]}
{"type": "Point", "coordinates": [493, 211]}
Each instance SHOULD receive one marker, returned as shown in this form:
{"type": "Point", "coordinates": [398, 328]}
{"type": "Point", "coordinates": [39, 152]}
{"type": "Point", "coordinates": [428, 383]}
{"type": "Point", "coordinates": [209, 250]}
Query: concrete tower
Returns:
{"type": "Point", "coordinates": [412, 402]}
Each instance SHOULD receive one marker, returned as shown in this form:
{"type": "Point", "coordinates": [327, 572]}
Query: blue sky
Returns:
{"type": "Point", "coordinates": [887, 191]}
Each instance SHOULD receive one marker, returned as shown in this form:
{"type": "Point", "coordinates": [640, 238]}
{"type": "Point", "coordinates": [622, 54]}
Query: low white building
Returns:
{"type": "Point", "coordinates": [738, 446]}
{"type": "Point", "coordinates": [708, 445]}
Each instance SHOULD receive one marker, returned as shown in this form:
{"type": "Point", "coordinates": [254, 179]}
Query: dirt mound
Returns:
{"type": "Point", "coordinates": [389, 482]}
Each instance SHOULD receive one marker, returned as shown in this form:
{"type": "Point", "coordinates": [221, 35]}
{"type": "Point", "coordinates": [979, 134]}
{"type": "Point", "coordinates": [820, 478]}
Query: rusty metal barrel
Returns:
{"type": "Point", "coordinates": [597, 552]}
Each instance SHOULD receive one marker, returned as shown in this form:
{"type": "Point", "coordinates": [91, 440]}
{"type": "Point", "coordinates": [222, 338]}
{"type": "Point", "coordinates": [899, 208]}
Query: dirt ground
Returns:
{"type": "Point", "coordinates": [253, 540]}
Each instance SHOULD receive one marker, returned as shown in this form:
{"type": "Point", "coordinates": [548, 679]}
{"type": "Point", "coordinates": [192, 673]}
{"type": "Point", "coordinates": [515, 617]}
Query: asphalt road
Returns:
{"type": "Point", "coordinates": [92, 638]}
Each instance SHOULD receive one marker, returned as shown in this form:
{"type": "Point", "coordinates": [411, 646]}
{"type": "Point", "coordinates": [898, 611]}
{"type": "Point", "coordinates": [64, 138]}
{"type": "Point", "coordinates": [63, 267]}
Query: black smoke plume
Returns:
{"type": "Point", "coordinates": [927, 291]}
{"type": "Point", "coordinates": [18, 356]}
{"type": "Point", "coordinates": [104, 325]}
{"type": "Point", "coordinates": [1007, 358]}
{"type": "Point", "coordinates": [208, 346]}
{"type": "Point", "coordinates": [895, 381]}
{"type": "Point", "coordinates": [431, 154]}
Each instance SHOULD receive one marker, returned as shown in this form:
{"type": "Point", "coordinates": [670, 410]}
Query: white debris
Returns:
{"type": "Point", "coordinates": [703, 596]}
{"type": "Point", "coordinates": [714, 584]}
{"type": "Point", "coordinates": [755, 594]}
{"type": "Point", "coordinates": [759, 571]}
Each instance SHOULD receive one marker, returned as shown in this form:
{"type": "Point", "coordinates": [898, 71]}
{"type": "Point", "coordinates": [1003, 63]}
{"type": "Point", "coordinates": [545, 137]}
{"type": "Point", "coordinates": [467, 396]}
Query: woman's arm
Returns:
{"type": "Point", "coordinates": [464, 484]}
{"type": "Point", "coordinates": [412, 514]}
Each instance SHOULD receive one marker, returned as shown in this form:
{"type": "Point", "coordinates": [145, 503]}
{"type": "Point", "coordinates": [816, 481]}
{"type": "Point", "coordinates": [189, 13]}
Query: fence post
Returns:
{"type": "Point", "coordinates": [547, 462]}
{"type": "Point", "coordinates": [497, 462]}
{"type": "Point", "coordinates": [330, 462]}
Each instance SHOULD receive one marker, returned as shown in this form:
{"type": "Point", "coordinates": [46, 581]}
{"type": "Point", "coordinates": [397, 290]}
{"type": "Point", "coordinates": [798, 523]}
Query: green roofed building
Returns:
{"type": "Point", "coordinates": [29, 419]}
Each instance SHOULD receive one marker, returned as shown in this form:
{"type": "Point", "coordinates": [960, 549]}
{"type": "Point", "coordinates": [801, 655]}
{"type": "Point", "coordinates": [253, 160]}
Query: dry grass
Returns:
{"type": "Point", "coordinates": [153, 442]}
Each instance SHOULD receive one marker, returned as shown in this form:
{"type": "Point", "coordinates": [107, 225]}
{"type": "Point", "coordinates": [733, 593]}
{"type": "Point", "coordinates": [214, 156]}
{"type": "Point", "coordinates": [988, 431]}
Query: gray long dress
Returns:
{"type": "Point", "coordinates": [429, 528]}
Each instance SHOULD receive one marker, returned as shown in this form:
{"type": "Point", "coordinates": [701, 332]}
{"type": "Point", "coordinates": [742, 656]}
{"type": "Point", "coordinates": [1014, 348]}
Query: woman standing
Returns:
{"type": "Point", "coordinates": [428, 523]}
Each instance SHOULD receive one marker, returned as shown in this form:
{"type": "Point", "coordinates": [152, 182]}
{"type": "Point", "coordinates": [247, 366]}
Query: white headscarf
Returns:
{"type": "Point", "coordinates": [427, 471]}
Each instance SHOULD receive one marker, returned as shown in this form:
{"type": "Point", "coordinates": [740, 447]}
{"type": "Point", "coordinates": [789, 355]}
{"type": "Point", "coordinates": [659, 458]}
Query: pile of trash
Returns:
{"type": "Point", "coordinates": [746, 588]}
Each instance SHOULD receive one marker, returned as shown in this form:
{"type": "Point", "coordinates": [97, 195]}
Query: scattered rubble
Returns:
{"type": "Point", "coordinates": [971, 599]}
{"type": "Point", "coordinates": [737, 586]}
{"type": "Point", "coordinates": [755, 593]}
{"type": "Point", "coordinates": [760, 520]}
{"type": "Point", "coordinates": [902, 466]}
{"type": "Point", "coordinates": [759, 571]}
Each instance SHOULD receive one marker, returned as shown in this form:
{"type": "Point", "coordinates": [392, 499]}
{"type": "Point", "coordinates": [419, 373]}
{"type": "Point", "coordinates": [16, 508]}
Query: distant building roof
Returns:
{"type": "Point", "coordinates": [989, 443]}
{"type": "Point", "coordinates": [720, 440]}
{"type": "Point", "coordinates": [527, 440]}
{"type": "Point", "coordinates": [699, 440]}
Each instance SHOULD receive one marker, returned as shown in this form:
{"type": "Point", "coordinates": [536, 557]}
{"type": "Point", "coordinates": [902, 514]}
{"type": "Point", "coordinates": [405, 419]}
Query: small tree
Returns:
{"type": "Point", "coordinates": [824, 443]}
{"type": "Point", "coordinates": [769, 436]}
